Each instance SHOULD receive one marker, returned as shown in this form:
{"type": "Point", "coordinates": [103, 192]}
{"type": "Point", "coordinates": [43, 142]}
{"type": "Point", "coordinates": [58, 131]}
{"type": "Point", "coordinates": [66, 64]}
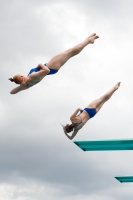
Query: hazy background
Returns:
{"type": "Point", "coordinates": [37, 161]}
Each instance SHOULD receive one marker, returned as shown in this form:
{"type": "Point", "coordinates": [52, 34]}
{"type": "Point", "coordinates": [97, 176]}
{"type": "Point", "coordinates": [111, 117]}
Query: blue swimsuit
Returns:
{"type": "Point", "coordinates": [52, 71]}
{"type": "Point", "coordinates": [91, 111]}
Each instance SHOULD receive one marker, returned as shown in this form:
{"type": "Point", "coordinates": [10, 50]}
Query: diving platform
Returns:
{"type": "Point", "coordinates": [124, 179]}
{"type": "Point", "coordinates": [105, 145]}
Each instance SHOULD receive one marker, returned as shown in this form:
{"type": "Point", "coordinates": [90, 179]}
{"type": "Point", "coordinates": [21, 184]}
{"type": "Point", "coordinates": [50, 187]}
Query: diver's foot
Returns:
{"type": "Point", "coordinates": [91, 39]}
{"type": "Point", "coordinates": [117, 86]}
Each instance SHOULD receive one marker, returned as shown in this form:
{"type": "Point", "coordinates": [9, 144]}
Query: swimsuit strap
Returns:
{"type": "Point", "coordinates": [80, 117]}
{"type": "Point", "coordinates": [77, 123]}
{"type": "Point", "coordinates": [31, 83]}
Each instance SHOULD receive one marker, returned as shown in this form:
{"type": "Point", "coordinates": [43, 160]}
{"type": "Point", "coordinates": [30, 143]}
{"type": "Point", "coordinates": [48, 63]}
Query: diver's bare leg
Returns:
{"type": "Point", "coordinates": [98, 103]}
{"type": "Point", "coordinates": [59, 60]}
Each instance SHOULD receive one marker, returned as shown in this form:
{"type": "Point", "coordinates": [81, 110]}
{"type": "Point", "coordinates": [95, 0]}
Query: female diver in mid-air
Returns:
{"type": "Point", "coordinates": [79, 120]}
{"type": "Point", "coordinates": [37, 74]}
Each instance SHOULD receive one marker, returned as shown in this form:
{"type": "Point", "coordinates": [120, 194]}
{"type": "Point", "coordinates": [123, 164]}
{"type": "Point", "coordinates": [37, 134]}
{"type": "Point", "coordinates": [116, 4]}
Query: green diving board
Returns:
{"type": "Point", "coordinates": [124, 179]}
{"type": "Point", "coordinates": [105, 145]}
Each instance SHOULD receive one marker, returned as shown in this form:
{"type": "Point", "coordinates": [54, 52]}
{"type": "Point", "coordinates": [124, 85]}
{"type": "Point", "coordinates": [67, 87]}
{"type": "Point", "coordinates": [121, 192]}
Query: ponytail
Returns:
{"type": "Point", "coordinates": [15, 79]}
{"type": "Point", "coordinates": [11, 79]}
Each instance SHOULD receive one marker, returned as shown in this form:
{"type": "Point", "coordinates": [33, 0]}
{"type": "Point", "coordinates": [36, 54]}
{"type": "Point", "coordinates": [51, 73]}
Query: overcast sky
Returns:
{"type": "Point", "coordinates": [37, 161]}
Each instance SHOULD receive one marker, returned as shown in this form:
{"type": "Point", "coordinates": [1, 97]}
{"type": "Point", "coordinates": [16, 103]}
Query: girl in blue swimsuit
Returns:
{"type": "Point", "coordinates": [37, 74]}
{"type": "Point", "coordinates": [79, 120]}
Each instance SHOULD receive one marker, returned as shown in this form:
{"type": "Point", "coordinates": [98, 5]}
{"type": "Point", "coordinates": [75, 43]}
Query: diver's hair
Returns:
{"type": "Point", "coordinates": [15, 79]}
{"type": "Point", "coordinates": [69, 128]}
{"type": "Point", "coordinates": [11, 79]}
